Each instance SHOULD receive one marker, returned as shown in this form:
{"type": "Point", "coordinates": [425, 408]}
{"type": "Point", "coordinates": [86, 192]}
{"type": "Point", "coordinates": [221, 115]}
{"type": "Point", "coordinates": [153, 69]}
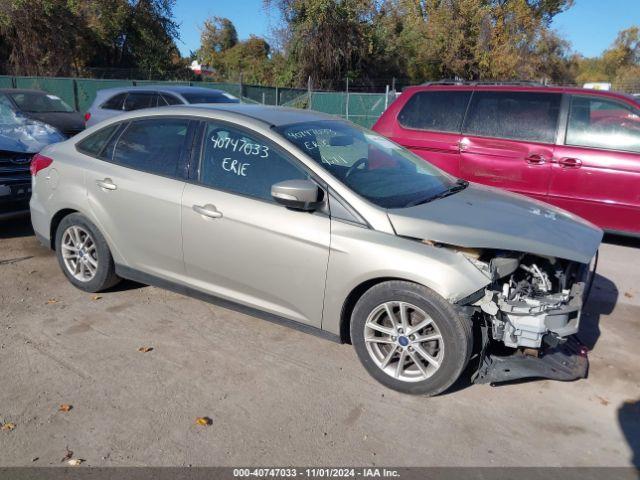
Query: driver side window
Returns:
{"type": "Point", "coordinates": [239, 162]}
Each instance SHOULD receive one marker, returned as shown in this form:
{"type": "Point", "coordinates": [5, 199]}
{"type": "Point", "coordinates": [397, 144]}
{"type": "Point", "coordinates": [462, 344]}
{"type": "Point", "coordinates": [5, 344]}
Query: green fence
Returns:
{"type": "Point", "coordinates": [361, 108]}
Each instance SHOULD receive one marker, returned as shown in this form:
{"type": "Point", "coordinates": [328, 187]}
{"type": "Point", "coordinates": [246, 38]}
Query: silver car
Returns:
{"type": "Point", "coordinates": [110, 102]}
{"type": "Point", "coordinates": [311, 221]}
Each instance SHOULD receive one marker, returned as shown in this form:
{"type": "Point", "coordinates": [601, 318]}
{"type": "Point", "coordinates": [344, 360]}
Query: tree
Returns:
{"type": "Point", "coordinates": [64, 37]}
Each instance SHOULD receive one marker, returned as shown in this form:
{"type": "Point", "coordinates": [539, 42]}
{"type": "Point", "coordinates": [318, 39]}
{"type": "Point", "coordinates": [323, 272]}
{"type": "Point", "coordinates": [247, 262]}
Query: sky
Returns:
{"type": "Point", "coordinates": [590, 25]}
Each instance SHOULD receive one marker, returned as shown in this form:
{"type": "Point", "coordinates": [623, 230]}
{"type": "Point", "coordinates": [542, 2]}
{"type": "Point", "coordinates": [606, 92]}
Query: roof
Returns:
{"type": "Point", "coordinates": [179, 89]}
{"type": "Point", "coordinates": [517, 87]}
{"type": "Point", "coordinates": [274, 116]}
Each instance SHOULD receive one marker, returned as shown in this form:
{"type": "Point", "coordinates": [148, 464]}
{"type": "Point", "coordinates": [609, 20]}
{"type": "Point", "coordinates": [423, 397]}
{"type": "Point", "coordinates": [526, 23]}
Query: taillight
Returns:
{"type": "Point", "coordinates": [87, 116]}
{"type": "Point", "coordinates": [39, 162]}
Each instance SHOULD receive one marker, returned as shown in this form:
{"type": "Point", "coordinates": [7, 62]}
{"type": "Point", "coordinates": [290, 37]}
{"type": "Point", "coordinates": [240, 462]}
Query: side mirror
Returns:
{"type": "Point", "coordinates": [298, 194]}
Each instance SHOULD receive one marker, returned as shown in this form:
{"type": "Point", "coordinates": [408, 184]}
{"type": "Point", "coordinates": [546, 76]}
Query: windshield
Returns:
{"type": "Point", "coordinates": [206, 97]}
{"type": "Point", "coordinates": [375, 168]}
{"type": "Point", "coordinates": [34, 102]}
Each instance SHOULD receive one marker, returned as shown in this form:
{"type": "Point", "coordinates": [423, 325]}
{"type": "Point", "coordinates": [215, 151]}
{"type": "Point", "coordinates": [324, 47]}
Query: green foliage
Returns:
{"type": "Point", "coordinates": [70, 37]}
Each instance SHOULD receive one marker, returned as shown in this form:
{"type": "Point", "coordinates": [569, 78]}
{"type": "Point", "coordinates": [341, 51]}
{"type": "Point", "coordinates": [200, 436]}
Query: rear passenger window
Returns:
{"type": "Point", "coordinates": [137, 101]}
{"type": "Point", "coordinates": [115, 103]}
{"type": "Point", "coordinates": [602, 123]}
{"type": "Point", "coordinates": [440, 111]}
{"type": "Point", "coordinates": [154, 146]}
{"type": "Point", "coordinates": [94, 144]}
{"type": "Point", "coordinates": [529, 116]}
{"type": "Point", "coordinates": [238, 162]}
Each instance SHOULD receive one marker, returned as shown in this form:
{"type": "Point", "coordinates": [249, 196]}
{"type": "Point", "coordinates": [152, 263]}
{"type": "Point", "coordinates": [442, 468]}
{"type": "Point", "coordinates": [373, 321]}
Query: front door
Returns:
{"type": "Point", "coordinates": [596, 173]}
{"type": "Point", "coordinates": [508, 140]}
{"type": "Point", "coordinates": [242, 246]}
{"type": "Point", "coordinates": [134, 190]}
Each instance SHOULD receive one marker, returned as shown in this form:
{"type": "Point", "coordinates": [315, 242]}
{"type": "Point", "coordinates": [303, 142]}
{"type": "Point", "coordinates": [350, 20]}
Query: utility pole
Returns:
{"type": "Point", "coordinates": [347, 106]}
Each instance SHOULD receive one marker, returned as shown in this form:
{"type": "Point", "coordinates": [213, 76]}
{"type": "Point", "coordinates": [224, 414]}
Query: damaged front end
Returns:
{"type": "Point", "coordinates": [529, 315]}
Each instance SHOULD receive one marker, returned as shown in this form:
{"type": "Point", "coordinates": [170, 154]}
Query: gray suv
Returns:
{"type": "Point", "coordinates": [311, 221]}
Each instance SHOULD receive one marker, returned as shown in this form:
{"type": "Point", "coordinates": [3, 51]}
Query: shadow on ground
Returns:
{"type": "Point", "coordinates": [629, 418]}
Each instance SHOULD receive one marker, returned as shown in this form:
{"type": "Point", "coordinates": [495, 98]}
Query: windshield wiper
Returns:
{"type": "Point", "coordinates": [459, 185]}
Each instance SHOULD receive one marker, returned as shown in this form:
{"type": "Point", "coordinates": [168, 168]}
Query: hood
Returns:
{"type": "Point", "coordinates": [485, 217]}
{"type": "Point", "coordinates": [71, 122]}
{"type": "Point", "coordinates": [23, 135]}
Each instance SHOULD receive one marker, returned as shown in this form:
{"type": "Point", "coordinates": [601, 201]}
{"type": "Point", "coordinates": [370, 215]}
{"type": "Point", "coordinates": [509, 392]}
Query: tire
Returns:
{"type": "Point", "coordinates": [96, 269]}
{"type": "Point", "coordinates": [446, 338]}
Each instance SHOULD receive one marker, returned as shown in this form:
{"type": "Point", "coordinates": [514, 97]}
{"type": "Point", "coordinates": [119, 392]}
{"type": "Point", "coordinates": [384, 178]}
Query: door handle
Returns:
{"type": "Point", "coordinates": [207, 210]}
{"type": "Point", "coordinates": [535, 159]}
{"type": "Point", "coordinates": [106, 184]}
{"type": "Point", "coordinates": [570, 162]}
{"type": "Point", "coordinates": [463, 144]}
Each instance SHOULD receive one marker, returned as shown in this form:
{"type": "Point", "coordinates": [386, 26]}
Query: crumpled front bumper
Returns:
{"type": "Point", "coordinates": [565, 362]}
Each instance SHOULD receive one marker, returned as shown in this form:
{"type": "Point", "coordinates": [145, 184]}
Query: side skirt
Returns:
{"type": "Point", "coordinates": [147, 279]}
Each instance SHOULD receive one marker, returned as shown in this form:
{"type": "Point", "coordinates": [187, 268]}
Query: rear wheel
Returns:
{"type": "Point", "coordinates": [409, 338]}
{"type": "Point", "coordinates": [83, 254]}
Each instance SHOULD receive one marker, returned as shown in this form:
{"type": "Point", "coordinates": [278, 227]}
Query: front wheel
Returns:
{"type": "Point", "coordinates": [409, 338]}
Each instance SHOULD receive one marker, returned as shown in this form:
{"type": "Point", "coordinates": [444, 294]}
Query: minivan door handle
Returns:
{"type": "Point", "coordinates": [569, 162]}
{"type": "Point", "coordinates": [535, 159]}
{"type": "Point", "coordinates": [106, 184]}
{"type": "Point", "coordinates": [207, 210]}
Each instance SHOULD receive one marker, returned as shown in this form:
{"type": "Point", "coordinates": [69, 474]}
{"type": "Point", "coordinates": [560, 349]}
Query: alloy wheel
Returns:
{"type": "Point", "coordinates": [403, 341]}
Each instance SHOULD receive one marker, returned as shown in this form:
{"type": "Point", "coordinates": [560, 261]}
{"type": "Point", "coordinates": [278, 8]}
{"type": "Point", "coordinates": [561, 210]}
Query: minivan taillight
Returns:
{"type": "Point", "coordinates": [39, 162]}
{"type": "Point", "coordinates": [87, 116]}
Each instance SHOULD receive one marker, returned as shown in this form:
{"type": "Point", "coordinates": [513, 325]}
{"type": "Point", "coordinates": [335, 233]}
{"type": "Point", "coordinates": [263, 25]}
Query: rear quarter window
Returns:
{"type": "Point", "coordinates": [115, 103]}
{"type": "Point", "coordinates": [94, 144]}
{"type": "Point", "coordinates": [440, 111]}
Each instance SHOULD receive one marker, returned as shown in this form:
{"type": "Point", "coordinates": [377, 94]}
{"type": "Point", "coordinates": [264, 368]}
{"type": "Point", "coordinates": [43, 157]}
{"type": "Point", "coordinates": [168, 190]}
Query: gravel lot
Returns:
{"type": "Point", "coordinates": [277, 396]}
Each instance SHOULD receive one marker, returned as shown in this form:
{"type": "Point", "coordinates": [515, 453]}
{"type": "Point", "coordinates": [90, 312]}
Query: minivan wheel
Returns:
{"type": "Point", "coordinates": [409, 338]}
{"type": "Point", "coordinates": [83, 254]}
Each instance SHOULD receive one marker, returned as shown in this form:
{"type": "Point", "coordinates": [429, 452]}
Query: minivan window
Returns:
{"type": "Point", "coordinates": [154, 146]}
{"type": "Point", "coordinates": [440, 111]}
{"type": "Point", "coordinates": [371, 165]}
{"type": "Point", "coordinates": [94, 144]}
{"type": "Point", "coordinates": [602, 123]}
{"type": "Point", "coordinates": [529, 116]}
{"type": "Point", "coordinates": [115, 103]}
{"type": "Point", "coordinates": [137, 101]}
{"type": "Point", "coordinates": [239, 162]}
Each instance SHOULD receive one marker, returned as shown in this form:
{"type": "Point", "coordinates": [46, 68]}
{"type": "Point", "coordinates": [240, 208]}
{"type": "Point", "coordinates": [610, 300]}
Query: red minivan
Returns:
{"type": "Point", "coordinates": [575, 148]}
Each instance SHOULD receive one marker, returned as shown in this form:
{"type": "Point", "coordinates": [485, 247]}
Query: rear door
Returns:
{"type": "Point", "coordinates": [239, 244]}
{"type": "Point", "coordinates": [135, 188]}
{"type": "Point", "coordinates": [508, 140]}
{"type": "Point", "coordinates": [140, 100]}
{"type": "Point", "coordinates": [596, 173]}
{"type": "Point", "coordinates": [429, 125]}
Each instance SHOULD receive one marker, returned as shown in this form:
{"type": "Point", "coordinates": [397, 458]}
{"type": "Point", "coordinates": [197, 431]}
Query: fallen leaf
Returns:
{"type": "Point", "coordinates": [65, 407]}
{"type": "Point", "coordinates": [67, 455]}
{"type": "Point", "coordinates": [74, 462]}
{"type": "Point", "coordinates": [628, 295]}
{"type": "Point", "coordinates": [35, 459]}
{"type": "Point", "coordinates": [96, 297]}
{"type": "Point", "coordinates": [145, 349]}
{"type": "Point", "coordinates": [8, 426]}
{"type": "Point", "coordinates": [204, 421]}
{"type": "Point", "coordinates": [51, 301]}
{"type": "Point", "coordinates": [603, 400]}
